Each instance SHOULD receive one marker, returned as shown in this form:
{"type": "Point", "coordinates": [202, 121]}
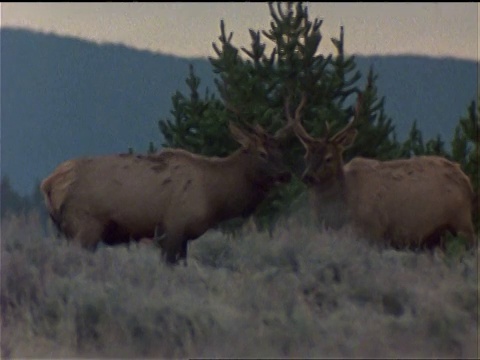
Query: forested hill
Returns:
{"type": "Point", "coordinates": [62, 97]}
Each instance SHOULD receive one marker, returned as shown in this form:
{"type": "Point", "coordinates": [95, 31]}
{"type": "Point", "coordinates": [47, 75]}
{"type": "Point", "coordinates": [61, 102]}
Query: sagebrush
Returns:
{"type": "Point", "coordinates": [305, 292]}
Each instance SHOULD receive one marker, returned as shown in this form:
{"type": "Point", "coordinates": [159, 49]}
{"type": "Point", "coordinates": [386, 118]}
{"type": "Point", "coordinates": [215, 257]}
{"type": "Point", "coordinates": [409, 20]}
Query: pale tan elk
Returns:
{"type": "Point", "coordinates": [405, 203]}
{"type": "Point", "coordinates": [175, 192]}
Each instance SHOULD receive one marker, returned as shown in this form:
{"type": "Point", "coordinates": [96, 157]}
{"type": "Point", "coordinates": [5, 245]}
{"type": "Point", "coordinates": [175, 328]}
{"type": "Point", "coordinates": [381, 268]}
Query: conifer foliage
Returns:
{"type": "Point", "coordinates": [253, 83]}
{"type": "Point", "coordinates": [466, 151]}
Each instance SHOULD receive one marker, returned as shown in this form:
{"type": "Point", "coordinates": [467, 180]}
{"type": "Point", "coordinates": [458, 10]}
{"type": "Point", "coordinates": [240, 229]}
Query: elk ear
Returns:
{"type": "Point", "coordinates": [346, 138]}
{"type": "Point", "coordinates": [239, 135]}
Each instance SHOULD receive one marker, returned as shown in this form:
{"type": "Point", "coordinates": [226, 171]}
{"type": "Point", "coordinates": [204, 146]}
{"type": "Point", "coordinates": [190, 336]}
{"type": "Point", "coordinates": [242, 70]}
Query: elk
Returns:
{"type": "Point", "coordinates": [174, 192]}
{"type": "Point", "coordinates": [406, 203]}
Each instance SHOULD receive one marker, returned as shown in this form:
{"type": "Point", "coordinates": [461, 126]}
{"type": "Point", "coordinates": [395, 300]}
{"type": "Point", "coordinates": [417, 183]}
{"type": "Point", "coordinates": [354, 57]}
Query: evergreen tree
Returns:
{"type": "Point", "coordinates": [376, 132]}
{"type": "Point", "coordinates": [35, 204]}
{"type": "Point", "coordinates": [465, 143]}
{"type": "Point", "coordinates": [436, 146]}
{"type": "Point", "coordinates": [11, 201]}
{"type": "Point", "coordinates": [415, 146]}
{"type": "Point", "coordinates": [253, 85]}
{"type": "Point", "coordinates": [466, 151]}
{"type": "Point", "coordinates": [198, 125]}
{"type": "Point", "coordinates": [151, 148]}
{"type": "Point", "coordinates": [414, 143]}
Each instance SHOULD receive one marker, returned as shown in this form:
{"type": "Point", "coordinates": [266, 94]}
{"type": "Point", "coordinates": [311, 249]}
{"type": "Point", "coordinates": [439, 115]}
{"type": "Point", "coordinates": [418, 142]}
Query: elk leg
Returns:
{"type": "Point", "coordinates": [465, 228]}
{"type": "Point", "coordinates": [183, 253]}
{"type": "Point", "coordinates": [171, 256]}
{"type": "Point", "coordinates": [469, 234]}
{"type": "Point", "coordinates": [56, 225]}
{"type": "Point", "coordinates": [171, 249]}
{"type": "Point", "coordinates": [89, 234]}
{"type": "Point", "coordinates": [158, 238]}
{"type": "Point", "coordinates": [176, 240]}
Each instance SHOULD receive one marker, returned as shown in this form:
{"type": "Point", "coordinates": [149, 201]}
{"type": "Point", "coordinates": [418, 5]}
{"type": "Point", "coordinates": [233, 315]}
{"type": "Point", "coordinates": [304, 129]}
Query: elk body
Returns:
{"type": "Point", "coordinates": [177, 193]}
{"type": "Point", "coordinates": [407, 203]}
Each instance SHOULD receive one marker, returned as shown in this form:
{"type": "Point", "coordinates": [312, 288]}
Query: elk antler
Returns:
{"type": "Point", "coordinates": [327, 129]}
{"type": "Point", "coordinates": [354, 120]}
{"type": "Point", "coordinates": [245, 125]}
{"type": "Point", "coordinates": [232, 108]}
{"type": "Point", "coordinates": [295, 123]}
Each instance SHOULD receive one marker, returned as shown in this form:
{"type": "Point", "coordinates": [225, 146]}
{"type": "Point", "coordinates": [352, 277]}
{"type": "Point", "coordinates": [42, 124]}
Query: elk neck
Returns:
{"type": "Point", "coordinates": [232, 186]}
{"type": "Point", "coordinates": [330, 202]}
{"type": "Point", "coordinates": [333, 190]}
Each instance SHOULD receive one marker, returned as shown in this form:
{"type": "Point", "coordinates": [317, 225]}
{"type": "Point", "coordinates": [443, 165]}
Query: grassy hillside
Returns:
{"type": "Point", "coordinates": [303, 293]}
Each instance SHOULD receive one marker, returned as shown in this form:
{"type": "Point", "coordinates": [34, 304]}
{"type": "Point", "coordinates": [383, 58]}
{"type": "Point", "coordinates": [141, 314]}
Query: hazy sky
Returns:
{"type": "Point", "coordinates": [188, 29]}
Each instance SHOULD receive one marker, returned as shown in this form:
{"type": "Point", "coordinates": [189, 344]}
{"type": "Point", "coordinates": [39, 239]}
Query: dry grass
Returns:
{"type": "Point", "coordinates": [303, 293]}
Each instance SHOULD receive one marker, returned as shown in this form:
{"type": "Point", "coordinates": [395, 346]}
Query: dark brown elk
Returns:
{"type": "Point", "coordinates": [407, 203]}
{"type": "Point", "coordinates": [174, 192]}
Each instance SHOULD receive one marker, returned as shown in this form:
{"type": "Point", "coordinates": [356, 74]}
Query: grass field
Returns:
{"type": "Point", "coordinates": [302, 293]}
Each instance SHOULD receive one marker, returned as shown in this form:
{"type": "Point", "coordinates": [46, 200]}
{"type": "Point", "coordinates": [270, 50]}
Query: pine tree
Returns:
{"type": "Point", "coordinates": [376, 131]}
{"type": "Point", "coordinates": [466, 151]}
{"type": "Point", "coordinates": [253, 85]}
{"type": "Point", "coordinates": [198, 125]}
{"type": "Point", "coordinates": [35, 204]}
{"type": "Point", "coordinates": [151, 148]}
{"type": "Point", "coordinates": [415, 146]}
{"type": "Point", "coordinates": [465, 144]}
{"type": "Point", "coordinates": [12, 202]}
{"type": "Point", "coordinates": [436, 146]}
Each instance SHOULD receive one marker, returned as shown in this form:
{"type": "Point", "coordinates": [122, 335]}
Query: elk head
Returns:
{"type": "Point", "coordinates": [323, 157]}
{"type": "Point", "coordinates": [263, 155]}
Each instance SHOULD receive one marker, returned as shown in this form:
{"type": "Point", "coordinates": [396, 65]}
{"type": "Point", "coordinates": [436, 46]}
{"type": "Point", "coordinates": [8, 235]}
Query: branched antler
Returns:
{"type": "Point", "coordinates": [295, 122]}
{"type": "Point", "coordinates": [354, 120]}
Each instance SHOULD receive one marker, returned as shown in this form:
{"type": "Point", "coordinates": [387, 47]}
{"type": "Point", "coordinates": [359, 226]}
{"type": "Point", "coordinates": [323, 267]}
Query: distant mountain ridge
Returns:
{"type": "Point", "coordinates": [63, 97]}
